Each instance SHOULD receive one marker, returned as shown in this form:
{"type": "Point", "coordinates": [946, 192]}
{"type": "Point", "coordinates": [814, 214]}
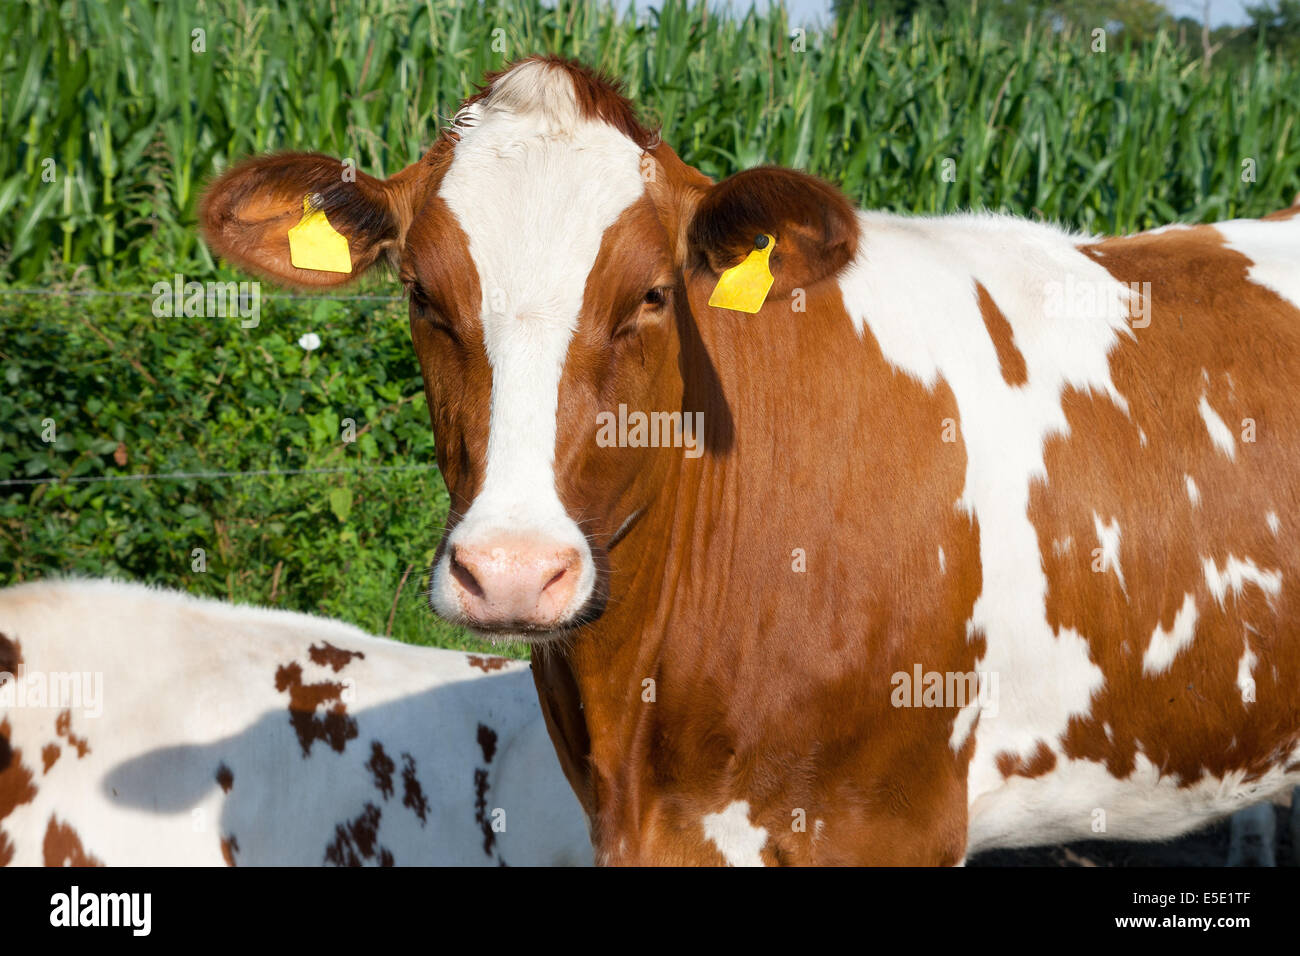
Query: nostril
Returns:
{"type": "Point", "coordinates": [464, 576]}
{"type": "Point", "coordinates": [564, 563]}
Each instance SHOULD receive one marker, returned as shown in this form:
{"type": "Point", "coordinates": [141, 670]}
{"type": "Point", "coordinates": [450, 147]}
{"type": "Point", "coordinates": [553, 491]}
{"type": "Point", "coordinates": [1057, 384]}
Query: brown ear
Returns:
{"type": "Point", "coordinates": [246, 214]}
{"type": "Point", "coordinates": [815, 226]}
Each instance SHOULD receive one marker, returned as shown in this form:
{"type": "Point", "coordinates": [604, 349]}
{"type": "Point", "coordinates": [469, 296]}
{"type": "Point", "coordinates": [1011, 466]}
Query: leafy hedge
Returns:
{"type": "Point", "coordinates": [128, 393]}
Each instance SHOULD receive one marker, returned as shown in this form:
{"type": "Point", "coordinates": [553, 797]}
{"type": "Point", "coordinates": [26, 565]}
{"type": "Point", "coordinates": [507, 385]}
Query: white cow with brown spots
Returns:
{"type": "Point", "coordinates": [147, 727]}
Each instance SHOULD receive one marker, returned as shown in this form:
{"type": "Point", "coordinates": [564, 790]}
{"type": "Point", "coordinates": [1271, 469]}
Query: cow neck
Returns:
{"type": "Point", "coordinates": [729, 665]}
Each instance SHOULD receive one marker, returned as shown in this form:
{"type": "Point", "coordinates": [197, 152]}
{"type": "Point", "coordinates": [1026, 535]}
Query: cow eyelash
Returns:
{"type": "Point", "coordinates": [416, 292]}
{"type": "Point", "coordinates": [421, 300]}
{"type": "Point", "coordinates": [657, 296]}
{"type": "Point", "coordinates": [428, 311]}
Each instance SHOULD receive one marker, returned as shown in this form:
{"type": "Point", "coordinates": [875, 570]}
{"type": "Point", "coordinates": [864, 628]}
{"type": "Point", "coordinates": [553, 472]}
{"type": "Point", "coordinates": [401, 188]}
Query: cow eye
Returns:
{"type": "Point", "coordinates": [656, 297]}
{"type": "Point", "coordinates": [423, 303]}
{"type": "Point", "coordinates": [653, 300]}
{"type": "Point", "coordinates": [428, 311]}
{"type": "Point", "coordinates": [418, 296]}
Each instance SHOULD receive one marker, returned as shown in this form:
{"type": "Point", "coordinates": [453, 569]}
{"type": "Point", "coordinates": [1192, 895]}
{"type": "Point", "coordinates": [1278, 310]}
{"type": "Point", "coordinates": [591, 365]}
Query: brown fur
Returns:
{"type": "Point", "coordinates": [1042, 761]}
{"type": "Point", "coordinates": [62, 847]}
{"type": "Point", "coordinates": [334, 727]}
{"type": "Point", "coordinates": [16, 786]}
{"type": "Point", "coordinates": [1191, 720]}
{"type": "Point", "coordinates": [327, 655]}
{"type": "Point", "coordinates": [356, 842]}
{"type": "Point", "coordinates": [11, 655]}
{"type": "Point", "coordinates": [63, 728]}
{"type": "Point", "coordinates": [1010, 359]}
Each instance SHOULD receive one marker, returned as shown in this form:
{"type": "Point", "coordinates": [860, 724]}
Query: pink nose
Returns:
{"type": "Point", "coordinates": [513, 581]}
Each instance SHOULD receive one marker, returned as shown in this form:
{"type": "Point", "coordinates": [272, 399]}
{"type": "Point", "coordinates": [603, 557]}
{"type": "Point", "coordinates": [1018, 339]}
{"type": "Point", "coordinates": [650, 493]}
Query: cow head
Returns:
{"type": "Point", "coordinates": [557, 259]}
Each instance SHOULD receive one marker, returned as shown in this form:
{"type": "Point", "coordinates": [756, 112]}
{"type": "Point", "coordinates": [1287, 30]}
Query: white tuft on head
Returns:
{"type": "Point", "coordinates": [534, 184]}
{"type": "Point", "coordinates": [540, 91]}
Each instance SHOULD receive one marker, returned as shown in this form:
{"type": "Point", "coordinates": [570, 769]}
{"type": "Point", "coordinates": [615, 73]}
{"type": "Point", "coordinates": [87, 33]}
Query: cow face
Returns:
{"type": "Point", "coordinates": [551, 249]}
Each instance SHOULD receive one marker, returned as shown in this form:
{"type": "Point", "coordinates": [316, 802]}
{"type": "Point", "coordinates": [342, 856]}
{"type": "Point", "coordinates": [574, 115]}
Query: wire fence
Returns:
{"type": "Point", "coordinates": [411, 561]}
{"type": "Point", "coordinates": [200, 475]}
{"type": "Point", "coordinates": [207, 475]}
{"type": "Point", "coordinates": [275, 296]}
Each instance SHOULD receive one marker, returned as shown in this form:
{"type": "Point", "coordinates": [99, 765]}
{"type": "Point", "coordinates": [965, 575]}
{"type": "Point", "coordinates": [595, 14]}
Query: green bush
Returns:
{"type": "Point", "coordinates": [129, 394]}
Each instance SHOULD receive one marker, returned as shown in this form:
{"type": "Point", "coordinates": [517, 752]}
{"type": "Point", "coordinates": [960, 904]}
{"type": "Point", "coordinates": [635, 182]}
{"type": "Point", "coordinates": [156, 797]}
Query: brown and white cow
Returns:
{"type": "Point", "coordinates": [148, 728]}
{"type": "Point", "coordinates": [989, 538]}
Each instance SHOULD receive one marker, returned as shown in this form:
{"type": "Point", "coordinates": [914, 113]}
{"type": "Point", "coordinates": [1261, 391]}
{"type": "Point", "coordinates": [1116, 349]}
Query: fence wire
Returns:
{"type": "Point", "coordinates": [274, 297]}
{"type": "Point", "coordinates": [200, 475]}
{"type": "Point", "coordinates": [204, 475]}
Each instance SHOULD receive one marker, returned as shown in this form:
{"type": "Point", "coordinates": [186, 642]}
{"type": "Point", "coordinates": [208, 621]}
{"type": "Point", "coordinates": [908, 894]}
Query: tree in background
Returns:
{"type": "Point", "coordinates": [894, 14]}
{"type": "Point", "coordinates": [1140, 18]}
{"type": "Point", "coordinates": [1275, 24]}
{"type": "Point", "coordinates": [1278, 24]}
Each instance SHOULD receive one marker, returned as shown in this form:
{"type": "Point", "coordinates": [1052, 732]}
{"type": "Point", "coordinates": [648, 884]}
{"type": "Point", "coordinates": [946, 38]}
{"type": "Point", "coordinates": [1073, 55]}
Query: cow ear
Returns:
{"type": "Point", "coordinates": [343, 220]}
{"type": "Point", "coordinates": [815, 226]}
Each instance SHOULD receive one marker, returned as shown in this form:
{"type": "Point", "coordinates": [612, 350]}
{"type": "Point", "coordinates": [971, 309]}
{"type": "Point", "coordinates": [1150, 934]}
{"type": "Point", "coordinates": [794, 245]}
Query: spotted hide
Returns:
{"type": "Point", "coordinates": [146, 727]}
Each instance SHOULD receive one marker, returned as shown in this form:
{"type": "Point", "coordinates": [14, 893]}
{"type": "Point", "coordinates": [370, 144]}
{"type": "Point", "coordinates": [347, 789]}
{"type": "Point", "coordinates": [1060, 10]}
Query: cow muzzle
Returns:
{"type": "Point", "coordinates": [508, 582]}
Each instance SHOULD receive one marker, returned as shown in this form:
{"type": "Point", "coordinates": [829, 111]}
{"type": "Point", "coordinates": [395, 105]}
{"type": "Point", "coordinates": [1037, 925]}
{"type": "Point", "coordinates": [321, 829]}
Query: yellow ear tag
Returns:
{"type": "Point", "coordinates": [315, 244]}
{"type": "Point", "coordinates": [744, 287]}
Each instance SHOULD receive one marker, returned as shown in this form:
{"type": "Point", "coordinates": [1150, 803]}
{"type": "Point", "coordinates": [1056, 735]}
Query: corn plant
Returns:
{"type": "Point", "coordinates": [115, 112]}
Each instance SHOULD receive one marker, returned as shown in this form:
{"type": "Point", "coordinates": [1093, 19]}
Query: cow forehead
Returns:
{"type": "Point", "coordinates": [534, 194]}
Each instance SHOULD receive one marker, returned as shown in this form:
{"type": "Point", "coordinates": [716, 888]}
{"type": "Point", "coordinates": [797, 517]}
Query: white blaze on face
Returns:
{"type": "Point", "coordinates": [534, 185]}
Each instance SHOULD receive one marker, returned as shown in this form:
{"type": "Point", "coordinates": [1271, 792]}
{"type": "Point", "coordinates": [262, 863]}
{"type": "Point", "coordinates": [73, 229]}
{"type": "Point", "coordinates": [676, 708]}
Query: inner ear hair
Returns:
{"type": "Point", "coordinates": [815, 226]}
{"type": "Point", "coordinates": [245, 214]}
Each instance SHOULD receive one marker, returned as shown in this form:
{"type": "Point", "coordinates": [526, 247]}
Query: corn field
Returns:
{"type": "Point", "coordinates": [115, 112]}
